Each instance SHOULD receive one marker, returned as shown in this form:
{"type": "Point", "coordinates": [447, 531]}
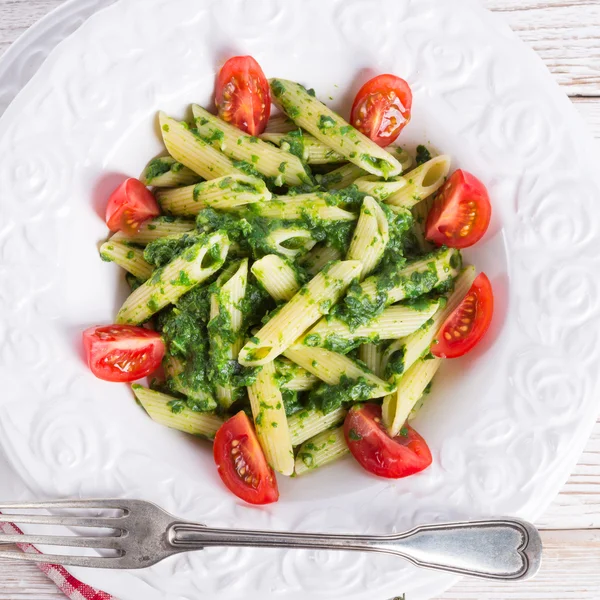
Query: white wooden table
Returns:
{"type": "Point", "coordinates": [566, 34]}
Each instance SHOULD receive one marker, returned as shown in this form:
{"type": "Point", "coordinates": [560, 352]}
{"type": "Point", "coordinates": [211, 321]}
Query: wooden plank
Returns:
{"type": "Point", "coordinates": [578, 505]}
{"type": "Point", "coordinates": [21, 581]}
{"type": "Point", "coordinates": [589, 108]}
{"type": "Point", "coordinates": [570, 571]}
{"type": "Point", "coordinates": [16, 16]}
{"type": "Point", "coordinates": [565, 33]}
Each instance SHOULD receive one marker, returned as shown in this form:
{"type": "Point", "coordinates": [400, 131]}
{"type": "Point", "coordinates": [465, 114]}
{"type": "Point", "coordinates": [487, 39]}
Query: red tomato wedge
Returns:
{"type": "Point", "coordinates": [241, 463]}
{"type": "Point", "coordinates": [129, 206]}
{"type": "Point", "coordinates": [122, 352]}
{"type": "Point", "coordinates": [382, 108]}
{"type": "Point", "coordinates": [465, 327]}
{"type": "Point", "coordinates": [461, 212]}
{"type": "Point", "coordinates": [376, 451]}
{"type": "Point", "coordinates": [242, 95]}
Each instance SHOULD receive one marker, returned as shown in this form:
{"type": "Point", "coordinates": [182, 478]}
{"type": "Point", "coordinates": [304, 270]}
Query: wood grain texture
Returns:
{"type": "Point", "coordinates": [566, 34]}
{"type": "Point", "coordinates": [578, 504]}
{"type": "Point", "coordinates": [19, 581]}
{"type": "Point", "coordinates": [589, 108]}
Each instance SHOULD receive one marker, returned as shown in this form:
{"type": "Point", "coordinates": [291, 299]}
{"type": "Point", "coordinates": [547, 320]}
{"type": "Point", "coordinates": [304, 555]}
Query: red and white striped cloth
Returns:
{"type": "Point", "coordinates": [64, 581]}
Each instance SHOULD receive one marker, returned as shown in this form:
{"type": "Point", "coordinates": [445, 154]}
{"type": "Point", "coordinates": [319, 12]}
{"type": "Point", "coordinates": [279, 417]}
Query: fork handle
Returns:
{"type": "Point", "coordinates": [502, 549]}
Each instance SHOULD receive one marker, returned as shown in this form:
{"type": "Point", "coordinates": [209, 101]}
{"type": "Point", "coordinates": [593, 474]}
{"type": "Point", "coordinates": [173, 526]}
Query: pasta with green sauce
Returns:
{"type": "Point", "coordinates": [288, 278]}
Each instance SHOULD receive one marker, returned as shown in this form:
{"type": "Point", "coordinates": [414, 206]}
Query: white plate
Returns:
{"type": "Point", "coordinates": [505, 425]}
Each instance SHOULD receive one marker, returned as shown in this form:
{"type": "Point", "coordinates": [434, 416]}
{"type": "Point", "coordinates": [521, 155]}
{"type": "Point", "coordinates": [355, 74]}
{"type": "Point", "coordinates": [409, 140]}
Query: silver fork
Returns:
{"type": "Point", "coordinates": [144, 534]}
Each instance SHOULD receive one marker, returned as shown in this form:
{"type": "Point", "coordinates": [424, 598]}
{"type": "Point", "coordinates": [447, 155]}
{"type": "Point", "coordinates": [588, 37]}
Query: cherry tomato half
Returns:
{"type": "Point", "coordinates": [382, 108]}
{"type": "Point", "coordinates": [122, 352]}
{"type": "Point", "coordinates": [129, 206]}
{"type": "Point", "coordinates": [242, 95]}
{"type": "Point", "coordinates": [465, 327]}
{"type": "Point", "coordinates": [461, 212]}
{"type": "Point", "coordinates": [242, 464]}
{"type": "Point", "coordinates": [370, 444]}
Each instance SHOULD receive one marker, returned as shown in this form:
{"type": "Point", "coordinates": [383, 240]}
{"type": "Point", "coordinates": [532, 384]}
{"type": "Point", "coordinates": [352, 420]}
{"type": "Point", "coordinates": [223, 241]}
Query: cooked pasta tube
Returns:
{"type": "Point", "coordinates": [328, 127]}
{"type": "Point", "coordinates": [161, 408]}
{"type": "Point", "coordinates": [295, 317]}
{"type": "Point", "coordinates": [270, 421]}
{"type": "Point", "coordinates": [223, 193]}
{"type": "Point", "coordinates": [321, 450]}
{"type": "Point", "coordinates": [192, 267]}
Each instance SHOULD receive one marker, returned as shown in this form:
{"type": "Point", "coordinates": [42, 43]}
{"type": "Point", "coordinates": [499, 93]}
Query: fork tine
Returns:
{"type": "Point", "coordinates": [109, 542]}
{"type": "Point", "coordinates": [65, 560]}
{"type": "Point", "coordinates": [107, 503]}
{"type": "Point", "coordinates": [67, 521]}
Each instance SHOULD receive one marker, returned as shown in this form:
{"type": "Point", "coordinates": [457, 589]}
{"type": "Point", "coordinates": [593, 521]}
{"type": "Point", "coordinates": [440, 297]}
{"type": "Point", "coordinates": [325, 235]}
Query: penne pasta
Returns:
{"type": "Point", "coordinates": [127, 257]}
{"type": "Point", "coordinates": [305, 308]}
{"type": "Point", "coordinates": [421, 182]}
{"type": "Point", "coordinates": [415, 279]}
{"type": "Point", "coordinates": [270, 421]}
{"type": "Point", "coordinates": [264, 158]}
{"type": "Point", "coordinates": [290, 241]}
{"type": "Point", "coordinates": [313, 151]}
{"type": "Point", "coordinates": [411, 386]}
{"type": "Point", "coordinates": [165, 171]}
{"type": "Point", "coordinates": [171, 412]}
{"type": "Point", "coordinates": [370, 238]}
{"type": "Point", "coordinates": [280, 124]}
{"type": "Point", "coordinates": [277, 276]}
{"type": "Point", "coordinates": [302, 382]}
{"type": "Point", "coordinates": [419, 213]}
{"type": "Point", "coordinates": [225, 326]}
{"type": "Point", "coordinates": [321, 450]}
{"type": "Point", "coordinates": [341, 177]}
{"type": "Point", "coordinates": [296, 207]}
{"type": "Point", "coordinates": [309, 422]}
{"type": "Point", "coordinates": [191, 150]}
{"type": "Point", "coordinates": [328, 127]}
{"type": "Point", "coordinates": [394, 322]}
{"type": "Point", "coordinates": [414, 346]}
{"type": "Point", "coordinates": [315, 260]}
{"type": "Point", "coordinates": [192, 267]}
{"type": "Point", "coordinates": [292, 377]}
{"type": "Point", "coordinates": [372, 356]}
{"type": "Point", "coordinates": [332, 367]}
{"type": "Point", "coordinates": [154, 229]}
{"type": "Point", "coordinates": [404, 158]}
{"type": "Point", "coordinates": [223, 193]}
{"type": "Point", "coordinates": [174, 368]}
{"type": "Point", "coordinates": [379, 188]}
